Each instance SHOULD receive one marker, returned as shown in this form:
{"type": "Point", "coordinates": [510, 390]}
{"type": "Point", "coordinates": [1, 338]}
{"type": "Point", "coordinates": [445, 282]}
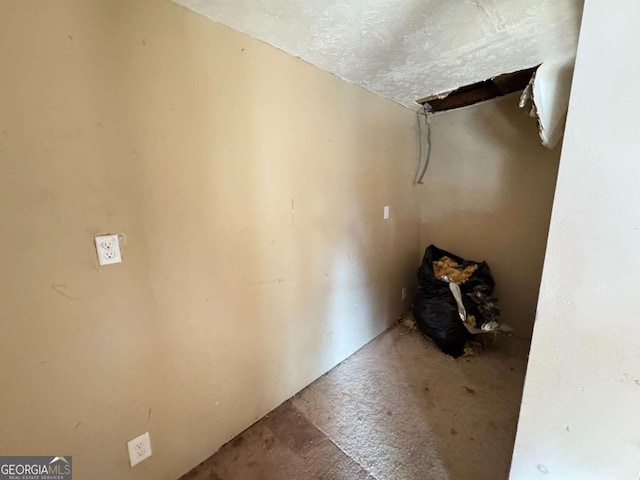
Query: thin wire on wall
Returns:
{"type": "Point", "coordinates": [425, 150]}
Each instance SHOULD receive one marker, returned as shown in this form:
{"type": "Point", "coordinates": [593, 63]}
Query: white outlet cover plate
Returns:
{"type": "Point", "coordinates": [139, 449]}
{"type": "Point", "coordinates": [386, 212]}
{"type": "Point", "coordinates": [108, 249]}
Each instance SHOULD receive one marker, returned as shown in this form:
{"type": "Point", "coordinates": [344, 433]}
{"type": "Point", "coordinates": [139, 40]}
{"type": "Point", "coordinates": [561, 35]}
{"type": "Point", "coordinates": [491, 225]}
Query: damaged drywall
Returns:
{"type": "Point", "coordinates": [545, 94]}
{"type": "Point", "coordinates": [547, 98]}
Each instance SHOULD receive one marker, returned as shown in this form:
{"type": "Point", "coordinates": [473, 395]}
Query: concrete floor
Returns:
{"type": "Point", "coordinates": [398, 409]}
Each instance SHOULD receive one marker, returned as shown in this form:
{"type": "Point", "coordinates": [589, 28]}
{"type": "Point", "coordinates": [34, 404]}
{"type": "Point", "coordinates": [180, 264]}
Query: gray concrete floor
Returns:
{"type": "Point", "coordinates": [398, 409]}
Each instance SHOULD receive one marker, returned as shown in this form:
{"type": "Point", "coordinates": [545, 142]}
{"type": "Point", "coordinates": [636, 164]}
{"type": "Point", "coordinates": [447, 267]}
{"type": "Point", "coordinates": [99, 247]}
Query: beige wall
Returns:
{"type": "Point", "coordinates": [487, 196]}
{"type": "Point", "coordinates": [249, 187]}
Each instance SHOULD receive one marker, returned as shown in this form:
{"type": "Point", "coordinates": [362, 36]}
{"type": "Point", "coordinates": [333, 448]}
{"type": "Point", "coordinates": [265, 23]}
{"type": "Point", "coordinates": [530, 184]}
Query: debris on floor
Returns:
{"type": "Point", "coordinates": [472, 348]}
{"type": "Point", "coordinates": [475, 347]}
{"type": "Point", "coordinates": [455, 302]}
{"type": "Point", "coordinates": [407, 320]}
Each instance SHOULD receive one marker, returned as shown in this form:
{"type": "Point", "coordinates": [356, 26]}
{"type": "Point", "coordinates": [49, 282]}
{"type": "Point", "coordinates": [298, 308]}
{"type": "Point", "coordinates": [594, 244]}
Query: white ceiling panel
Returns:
{"type": "Point", "coordinates": [408, 49]}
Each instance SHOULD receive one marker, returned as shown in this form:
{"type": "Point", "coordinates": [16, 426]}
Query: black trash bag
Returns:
{"type": "Point", "coordinates": [437, 317]}
{"type": "Point", "coordinates": [435, 308]}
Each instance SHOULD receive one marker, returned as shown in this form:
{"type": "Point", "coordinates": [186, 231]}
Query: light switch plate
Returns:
{"type": "Point", "coordinates": [386, 212]}
{"type": "Point", "coordinates": [108, 249]}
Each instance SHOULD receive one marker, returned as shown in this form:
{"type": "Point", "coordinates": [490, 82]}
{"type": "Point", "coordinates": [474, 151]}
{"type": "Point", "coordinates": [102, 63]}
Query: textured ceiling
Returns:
{"type": "Point", "coordinates": [408, 49]}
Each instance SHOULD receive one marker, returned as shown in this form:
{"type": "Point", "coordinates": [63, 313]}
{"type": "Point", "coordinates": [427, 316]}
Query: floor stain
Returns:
{"type": "Point", "coordinates": [368, 404]}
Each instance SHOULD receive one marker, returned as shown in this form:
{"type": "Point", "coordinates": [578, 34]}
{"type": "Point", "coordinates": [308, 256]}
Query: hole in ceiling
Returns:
{"type": "Point", "coordinates": [479, 92]}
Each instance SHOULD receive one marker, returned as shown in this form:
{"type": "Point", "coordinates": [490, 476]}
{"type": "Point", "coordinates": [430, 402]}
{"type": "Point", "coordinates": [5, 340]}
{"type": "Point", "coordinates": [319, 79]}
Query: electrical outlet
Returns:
{"type": "Point", "coordinates": [386, 212]}
{"type": "Point", "coordinates": [404, 293]}
{"type": "Point", "coordinates": [139, 449]}
{"type": "Point", "coordinates": [108, 249]}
